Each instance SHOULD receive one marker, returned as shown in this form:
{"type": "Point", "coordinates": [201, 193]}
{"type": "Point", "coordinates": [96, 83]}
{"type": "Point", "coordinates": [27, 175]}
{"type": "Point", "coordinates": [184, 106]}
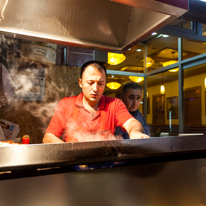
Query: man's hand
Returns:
{"type": "Point", "coordinates": [135, 135]}
{"type": "Point", "coordinates": [134, 129]}
{"type": "Point", "coordinates": [51, 138]}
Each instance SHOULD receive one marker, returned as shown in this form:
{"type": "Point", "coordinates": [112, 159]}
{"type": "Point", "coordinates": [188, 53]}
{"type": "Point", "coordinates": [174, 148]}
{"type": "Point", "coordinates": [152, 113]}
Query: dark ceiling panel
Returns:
{"type": "Point", "coordinates": [178, 3]}
{"type": "Point", "coordinates": [197, 11]}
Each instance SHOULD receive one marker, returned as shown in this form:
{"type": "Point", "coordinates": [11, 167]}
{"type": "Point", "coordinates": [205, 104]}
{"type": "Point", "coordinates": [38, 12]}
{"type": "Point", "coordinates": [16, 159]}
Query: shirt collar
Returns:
{"type": "Point", "coordinates": [79, 101]}
{"type": "Point", "coordinates": [102, 103]}
{"type": "Point", "coordinates": [134, 113]}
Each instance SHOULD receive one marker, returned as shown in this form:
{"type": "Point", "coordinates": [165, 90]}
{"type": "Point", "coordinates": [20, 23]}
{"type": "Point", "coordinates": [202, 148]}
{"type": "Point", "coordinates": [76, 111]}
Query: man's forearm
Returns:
{"type": "Point", "coordinates": [134, 129]}
{"type": "Point", "coordinates": [51, 138]}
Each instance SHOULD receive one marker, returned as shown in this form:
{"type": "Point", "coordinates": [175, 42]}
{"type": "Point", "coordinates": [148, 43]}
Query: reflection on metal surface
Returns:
{"type": "Point", "coordinates": [3, 4]}
{"type": "Point", "coordinates": [177, 183]}
{"type": "Point", "coordinates": [106, 25]}
{"type": "Point", "coordinates": [203, 170]}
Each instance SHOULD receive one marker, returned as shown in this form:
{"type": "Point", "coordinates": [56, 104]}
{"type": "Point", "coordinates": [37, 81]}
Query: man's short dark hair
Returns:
{"type": "Point", "coordinates": [131, 85]}
{"type": "Point", "coordinates": [99, 65]}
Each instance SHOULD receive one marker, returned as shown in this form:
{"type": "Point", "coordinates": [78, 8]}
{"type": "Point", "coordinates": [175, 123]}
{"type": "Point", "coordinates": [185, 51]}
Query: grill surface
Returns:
{"type": "Point", "coordinates": [36, 155]}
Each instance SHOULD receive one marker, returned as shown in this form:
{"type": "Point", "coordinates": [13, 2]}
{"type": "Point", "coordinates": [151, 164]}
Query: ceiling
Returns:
{"type": "Point", "coordinates": [109, 25]}
{"type": "Point", "coordinates": [162, 49]}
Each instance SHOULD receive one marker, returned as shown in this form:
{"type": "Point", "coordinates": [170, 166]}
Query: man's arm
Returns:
{"type": "Point", "coordinates": [51, 138]}
{"type": "Point", "coordinates": [134, 129]}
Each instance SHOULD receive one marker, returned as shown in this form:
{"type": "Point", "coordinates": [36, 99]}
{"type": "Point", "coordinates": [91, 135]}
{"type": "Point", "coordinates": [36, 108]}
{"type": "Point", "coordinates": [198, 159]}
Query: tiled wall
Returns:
{"type": "Point", "coordinates": [74, 56]}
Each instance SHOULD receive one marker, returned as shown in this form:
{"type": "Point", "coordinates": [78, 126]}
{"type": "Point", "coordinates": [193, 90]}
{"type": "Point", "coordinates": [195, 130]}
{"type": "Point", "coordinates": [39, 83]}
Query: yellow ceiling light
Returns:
{"type": "Point", "coordinates": [113, 85]}
{"type": "Point", "coordinates": [136, 79]}
{"type": "Point", "coordinates": [132, 68]}
{"type": "Point", "coordinates": [115, 59]}
{"type": "Point", "coordinates": [149, 62]}
{"type": "Point", "coordinates": [171, 62]}
{"type": "Point", "coordinates": [205, 82]}
{"type": "Point", "coordinates": [124, 68]}
{"type": "Point", "coordinates": [174, 70]}
{"type": "Point", "coordinates": [162, 89]}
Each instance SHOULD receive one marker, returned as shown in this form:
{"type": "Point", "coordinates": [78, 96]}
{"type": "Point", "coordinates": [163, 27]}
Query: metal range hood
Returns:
{"type": "Point", "coordinates": [103, 24]}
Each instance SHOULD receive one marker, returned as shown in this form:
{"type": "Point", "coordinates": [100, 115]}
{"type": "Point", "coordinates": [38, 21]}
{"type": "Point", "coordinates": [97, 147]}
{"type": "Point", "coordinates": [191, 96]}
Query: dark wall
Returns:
{"type": "Point", "coordinates": [61, 80]}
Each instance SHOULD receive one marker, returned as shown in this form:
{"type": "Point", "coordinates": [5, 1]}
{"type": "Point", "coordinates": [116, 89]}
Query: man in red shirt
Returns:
{"type": "Point", "coordinates": [91, 116]}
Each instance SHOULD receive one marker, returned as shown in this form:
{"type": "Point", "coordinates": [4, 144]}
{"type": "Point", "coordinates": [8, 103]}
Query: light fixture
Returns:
{"type": "Point", "coordinates": [165, 35]}
{"type": "Point", "coordinates": [171, 62]}
{"type": "Point", "coordinates": [115, 59]}
{"type": "Point", "coordinates": [2, 10]}
{"type": "Point", "coordinates": [113, 85]}
{"type": "Point", "coordinates": [149, 61]}
{"type": "Point", "coordinates": [124, 68]}
{"type": "Point", "coordinates": [154, 33]}
{"type": "Point", "coordinates": [132, 68]}
{"type": "Point", "coordinates": [174, 70]}
{"type": "Point", "coordinates": [205, 82]}
{"type": "Point", "coordinates": [139, 50]}
{"type": "Point", "coordinates": [162, 87]}
{"type": "Point", "coordinates": [136, 79]}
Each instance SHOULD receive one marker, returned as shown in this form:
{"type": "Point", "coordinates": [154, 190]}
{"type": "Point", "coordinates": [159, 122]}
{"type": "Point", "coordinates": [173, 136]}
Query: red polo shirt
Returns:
{"type": "Point", "coordinates": [75, 123]}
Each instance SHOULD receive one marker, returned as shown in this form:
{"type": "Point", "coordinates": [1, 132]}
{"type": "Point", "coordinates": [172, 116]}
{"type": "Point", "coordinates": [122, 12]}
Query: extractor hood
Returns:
{"type": "Point", "coordinates": [101, 24]}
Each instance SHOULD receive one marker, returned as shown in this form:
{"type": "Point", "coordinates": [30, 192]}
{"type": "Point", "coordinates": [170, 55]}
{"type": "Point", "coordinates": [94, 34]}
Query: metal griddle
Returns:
{"type": "Point", "coordinates": [61, 154]}
{"type": "Point", "coordinates": [158, 171]}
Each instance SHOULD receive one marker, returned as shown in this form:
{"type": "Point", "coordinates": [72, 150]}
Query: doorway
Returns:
{"type": "Point", "coordinates": [158, 109]}
{"type": "Point", "coordinates": [192, 107]}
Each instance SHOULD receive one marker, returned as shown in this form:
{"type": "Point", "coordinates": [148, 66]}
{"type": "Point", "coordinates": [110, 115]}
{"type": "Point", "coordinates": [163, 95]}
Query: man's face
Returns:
{"type": "Point", "coordinates": [132, 99]}
{"type": "Point", "coordinates": [92, 83]}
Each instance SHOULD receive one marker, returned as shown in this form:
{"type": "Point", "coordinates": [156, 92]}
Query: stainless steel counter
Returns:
{"type": "Point", "coordinates": [135, 151]}
{"type": "Point", "coordinates": [158, 171]}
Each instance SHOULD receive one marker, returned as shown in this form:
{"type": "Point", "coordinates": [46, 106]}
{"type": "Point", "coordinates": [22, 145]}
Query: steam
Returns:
{"type": "Point", "coordinates": [80, 130]}
{"type": "Point", "coordinates": [45, 110]}
{"type": "Point", "coordinates": [23, 88]}
{"type": "Point", "coordinates": [72, 133]}
{"type": "Point", "coordinates": [37, 87]}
